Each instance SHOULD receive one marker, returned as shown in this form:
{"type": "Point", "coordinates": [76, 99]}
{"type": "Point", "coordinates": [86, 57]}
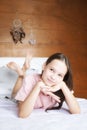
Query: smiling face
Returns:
{"type": "Point", "coordinates": [54, 72]}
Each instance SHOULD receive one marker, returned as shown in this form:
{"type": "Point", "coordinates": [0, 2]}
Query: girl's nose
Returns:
{"type": "Point", "coordinates": [53, 77]}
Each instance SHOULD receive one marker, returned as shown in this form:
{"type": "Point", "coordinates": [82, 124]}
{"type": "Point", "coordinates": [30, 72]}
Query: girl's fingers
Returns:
{"type": "Point", "coordinates": [53, 96]}
{"type": "Point", "coordinates": [56, 98]}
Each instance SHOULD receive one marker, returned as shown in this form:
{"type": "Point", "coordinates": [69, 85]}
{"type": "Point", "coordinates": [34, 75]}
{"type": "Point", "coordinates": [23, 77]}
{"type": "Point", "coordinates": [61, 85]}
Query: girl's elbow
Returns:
{"type": "Point", "coordinates": [76, 111]}
{"type": "Point", "coordinates": [22, 114]}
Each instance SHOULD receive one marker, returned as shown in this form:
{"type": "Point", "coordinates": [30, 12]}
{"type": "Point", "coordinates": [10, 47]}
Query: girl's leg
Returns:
{"type": "Point", "coordinates": [15, 67]}
{"type": "Point", "coordinates": [21, 72]}
{"type": "Point", "coordinates": [17, 86]}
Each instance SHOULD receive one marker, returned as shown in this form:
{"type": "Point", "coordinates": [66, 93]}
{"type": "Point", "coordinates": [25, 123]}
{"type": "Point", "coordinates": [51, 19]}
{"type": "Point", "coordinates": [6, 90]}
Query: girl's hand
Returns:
{"type": "Point", "coordinates": [56, 98]}
{"type": "Point", "coordinates": [49, 90]}
{"type": "Point", "coordinates": [57, 87]}
{"type": "Point", "coordinates": [46, 92]}
{"type": "Point", "coordinates": [42, 86]}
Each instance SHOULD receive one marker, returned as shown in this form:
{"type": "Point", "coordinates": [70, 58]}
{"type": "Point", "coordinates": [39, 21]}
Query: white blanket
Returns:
{"type": "Point", "coordinates": [41, 120]}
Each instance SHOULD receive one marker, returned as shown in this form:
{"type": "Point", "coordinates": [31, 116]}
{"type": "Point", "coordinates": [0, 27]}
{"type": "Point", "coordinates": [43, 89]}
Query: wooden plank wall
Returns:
{"type": "Point", "coordinates": [57, 26]}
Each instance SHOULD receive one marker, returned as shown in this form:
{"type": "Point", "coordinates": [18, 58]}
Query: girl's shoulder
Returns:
{"type": "Point", "coordinates": [34, 76]}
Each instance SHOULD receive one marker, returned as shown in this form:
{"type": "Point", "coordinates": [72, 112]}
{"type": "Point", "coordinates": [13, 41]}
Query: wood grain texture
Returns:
{"type": "Point", "coordinates": [57, 26]}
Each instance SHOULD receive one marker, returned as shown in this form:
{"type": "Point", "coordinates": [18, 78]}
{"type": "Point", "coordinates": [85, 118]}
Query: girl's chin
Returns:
{"type": "Point", "coordinates": [50, 85]}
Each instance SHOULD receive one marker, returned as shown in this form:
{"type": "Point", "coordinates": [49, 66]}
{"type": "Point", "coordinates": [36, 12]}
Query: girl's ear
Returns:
{"type": "Point", "coordinates": [43, 66]}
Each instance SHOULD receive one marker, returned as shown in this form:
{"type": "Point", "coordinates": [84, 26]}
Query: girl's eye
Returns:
{"type": "Point", "coordinates": [59, 75]}
{"type": "Point", "coordinates": [51, 69]}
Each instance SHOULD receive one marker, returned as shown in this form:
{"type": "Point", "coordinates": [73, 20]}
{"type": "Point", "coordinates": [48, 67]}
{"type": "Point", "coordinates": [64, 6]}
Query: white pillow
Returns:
{"type": "Point", "coordinates": [8, 79]}
{"type": "Point", "coordinates": [7, 75]}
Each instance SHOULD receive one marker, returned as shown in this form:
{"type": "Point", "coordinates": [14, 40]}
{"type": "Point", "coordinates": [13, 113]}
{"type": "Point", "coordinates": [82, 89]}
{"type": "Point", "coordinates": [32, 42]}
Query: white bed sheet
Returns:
{"type": "Point", "coordinates": [41, 120]}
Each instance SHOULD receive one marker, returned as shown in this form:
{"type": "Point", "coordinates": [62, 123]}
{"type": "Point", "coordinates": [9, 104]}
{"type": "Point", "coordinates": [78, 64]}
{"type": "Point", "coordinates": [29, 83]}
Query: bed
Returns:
{"type": "Point", "coordinates": [39, 119]}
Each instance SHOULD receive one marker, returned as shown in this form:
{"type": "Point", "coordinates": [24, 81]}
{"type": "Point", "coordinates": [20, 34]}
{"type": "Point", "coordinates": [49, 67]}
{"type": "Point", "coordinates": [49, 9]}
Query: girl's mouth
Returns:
{"type": "Point", "coordinates": [50, 81]}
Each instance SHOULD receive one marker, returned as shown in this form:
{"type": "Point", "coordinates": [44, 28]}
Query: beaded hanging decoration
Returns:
{"type": "Point", "coordinates": [17, 32]}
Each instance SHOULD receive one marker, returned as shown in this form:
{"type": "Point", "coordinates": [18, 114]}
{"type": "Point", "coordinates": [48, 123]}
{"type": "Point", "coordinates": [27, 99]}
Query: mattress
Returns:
{"type": "Point", "coordinates": [41, 120]}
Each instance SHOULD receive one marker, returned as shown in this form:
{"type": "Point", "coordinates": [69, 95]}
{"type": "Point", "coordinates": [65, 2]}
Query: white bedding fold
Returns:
{"type": "Point", "coordinates": [41, 120]}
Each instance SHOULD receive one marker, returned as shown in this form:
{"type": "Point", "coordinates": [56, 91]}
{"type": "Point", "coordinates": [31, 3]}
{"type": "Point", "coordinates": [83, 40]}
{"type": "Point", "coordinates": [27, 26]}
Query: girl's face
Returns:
{"type": "Point", "coordinates": [54, 72]}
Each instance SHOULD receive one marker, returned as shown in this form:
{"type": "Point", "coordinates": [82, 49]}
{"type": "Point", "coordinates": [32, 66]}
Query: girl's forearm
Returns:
{"type": "Point", "coordinates": [26, 107]}
{"type": "Point", "coordinates": [71, 100]}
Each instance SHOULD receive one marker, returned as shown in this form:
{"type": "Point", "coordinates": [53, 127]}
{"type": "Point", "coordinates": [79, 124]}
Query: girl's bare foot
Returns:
{"type": "Point", "coordinates": [26, 64]}
{"type": "Point", "coordinates": [15, 67]}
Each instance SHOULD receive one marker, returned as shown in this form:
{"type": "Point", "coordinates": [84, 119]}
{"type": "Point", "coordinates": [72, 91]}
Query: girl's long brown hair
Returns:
{"type": "Point", "coordinates": [67, 78]}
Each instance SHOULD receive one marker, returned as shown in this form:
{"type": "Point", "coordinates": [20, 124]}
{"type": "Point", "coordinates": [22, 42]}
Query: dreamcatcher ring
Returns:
{"type": "Point", "coordinates": [17, 23]}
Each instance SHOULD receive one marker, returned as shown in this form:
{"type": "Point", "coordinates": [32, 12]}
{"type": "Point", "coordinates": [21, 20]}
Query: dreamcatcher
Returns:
{"type": "Point", "coordinates": [17, 32]}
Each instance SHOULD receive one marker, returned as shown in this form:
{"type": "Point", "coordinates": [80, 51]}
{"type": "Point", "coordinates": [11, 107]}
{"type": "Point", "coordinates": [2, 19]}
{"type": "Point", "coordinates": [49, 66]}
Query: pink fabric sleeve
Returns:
{"type": "Point", "coordinates": [27, 86]}
{"type": "Point", "coordinates": [43, 101]}
{"type": "Point", "coordinates": [47, 101]}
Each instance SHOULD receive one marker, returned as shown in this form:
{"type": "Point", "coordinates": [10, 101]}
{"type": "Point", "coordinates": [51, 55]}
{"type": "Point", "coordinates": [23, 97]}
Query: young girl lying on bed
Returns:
{"type": "Point", "coordinates": [47, 90]}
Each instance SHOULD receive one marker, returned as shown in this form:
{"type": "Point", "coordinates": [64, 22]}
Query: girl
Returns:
{"type": "Point", "coordinates": [47, 90]}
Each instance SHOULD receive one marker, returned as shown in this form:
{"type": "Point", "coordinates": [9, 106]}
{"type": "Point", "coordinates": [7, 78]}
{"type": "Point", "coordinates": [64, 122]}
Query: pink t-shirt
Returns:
{"type": "Point", "coordinates": [43, 101]}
